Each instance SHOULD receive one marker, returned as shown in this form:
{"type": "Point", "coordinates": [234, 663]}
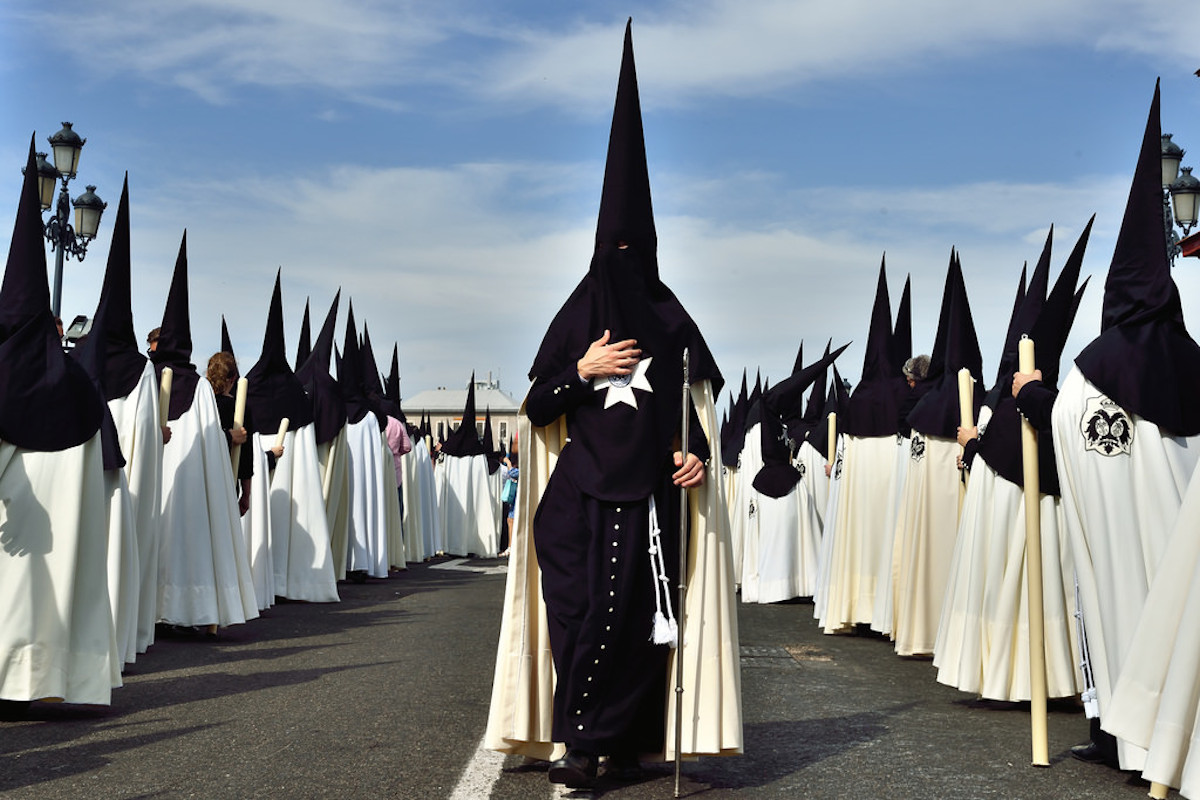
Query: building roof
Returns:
{"type": "Point", "coordinates": [452, 401]}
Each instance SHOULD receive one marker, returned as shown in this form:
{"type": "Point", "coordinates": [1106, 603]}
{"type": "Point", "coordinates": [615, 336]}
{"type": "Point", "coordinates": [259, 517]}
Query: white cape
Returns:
{"type": "Point", "coordinates": [862, 540]}
{"type": "Point", "coordinates": [299, 528]}
{"type": "Point", "coordinates": [468, 512]}
{"type": "Point", "coordinates": [983, 634]}
{"type": "Point", "coordinates": [57, 636]}
{"type": "Point", "coordinates": [204, 569]}
{"type": "Point", "coordinates": [334, 458]}
{"type": "Point", "coordinates": [367, 529]}
{"type": "Point", "coordinates": [397, 552]}
{"type": "Point", "coordinates": [136, 419]}
{"type": "Point", "coordinates": [256, 526]}
{"type": "Point", "coordinates": [825, 555]}
{"type": "Point", "coordinates": [421, 522]}
{"type": "Point", "coordinates": [124, 570]}
{"type": "Point", "coordinates": [523, 687]}
{"type": "Point", "coordinates": [1121, 497]}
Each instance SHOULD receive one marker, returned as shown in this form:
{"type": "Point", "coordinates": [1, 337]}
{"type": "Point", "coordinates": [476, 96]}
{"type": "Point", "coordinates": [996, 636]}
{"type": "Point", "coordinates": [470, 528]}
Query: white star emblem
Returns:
{"type": "Point", "coordinates": [620, 387]}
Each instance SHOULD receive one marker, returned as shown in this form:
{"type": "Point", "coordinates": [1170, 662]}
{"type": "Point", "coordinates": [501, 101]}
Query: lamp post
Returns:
{"type": "Point", "coordinates": [65, 239]}
{"type": "Point", "coordinates": [1180, 195]}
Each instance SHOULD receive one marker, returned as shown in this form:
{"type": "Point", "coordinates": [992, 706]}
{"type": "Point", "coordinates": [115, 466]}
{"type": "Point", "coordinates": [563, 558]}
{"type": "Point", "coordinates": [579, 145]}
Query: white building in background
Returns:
{"type": "Point", "coordinates": [445, 407]}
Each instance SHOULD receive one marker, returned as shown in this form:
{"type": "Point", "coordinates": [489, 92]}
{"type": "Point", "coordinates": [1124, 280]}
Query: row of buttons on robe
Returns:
{"type": "Point", "coordinates": [612, 592]}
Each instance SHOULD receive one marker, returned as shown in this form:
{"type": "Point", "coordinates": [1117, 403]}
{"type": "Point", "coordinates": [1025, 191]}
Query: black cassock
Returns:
{"type": "Point", "coordinates": [592, 535]}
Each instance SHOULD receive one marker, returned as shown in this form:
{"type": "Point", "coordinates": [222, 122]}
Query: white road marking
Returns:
{"type": "Point", "coordinates": [458, 564]}
{"type": "Point", "coordinates": [480, 775]}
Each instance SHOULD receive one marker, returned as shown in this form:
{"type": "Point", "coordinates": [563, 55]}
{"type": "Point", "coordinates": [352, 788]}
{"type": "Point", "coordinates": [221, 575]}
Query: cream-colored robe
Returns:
{"type": "Point", "coordinates": [519, 721]}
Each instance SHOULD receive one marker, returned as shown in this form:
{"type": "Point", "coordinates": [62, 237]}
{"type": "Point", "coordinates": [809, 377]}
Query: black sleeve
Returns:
{"type": "Point", "coordinates": [969, 453]}
{"type": "Point", "coordinates": [270, 459]}
{"type": "Point", "coordinates": [550, 399]}
{"type": "Point", "coordinates": [1035, 402]}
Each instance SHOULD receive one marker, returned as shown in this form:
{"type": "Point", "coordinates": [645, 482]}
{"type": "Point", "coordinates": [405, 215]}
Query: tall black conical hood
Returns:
{"type": "Point", "coordinates": [91, 355]}
{"type": "Point", "coordinates": [777, 475]}
{"type": "Point", "coordinates": [226, 342]}
{"type": "Point", "coordinates": [489, 446]}
{"type": "Point", "coordinates": [174, 348]}
{"type": "Point", "coordinates": [874, 407]}
{"type": "Point", "coordinates": [816, 398]}
{"type": "Point", "coordinates": [391, 386]}
{"type": "Point", "coordinates": [274, 391]}
{"type": "Point", "coordinates": [937, 413]}
{"type": "Point", "coordinates": [798, 363]}
{"type": "Point", "coordinates": [622, 293]}
{"type": "Point", "coordinates": [328, 406]}
{"type": "Point", "coordinates": [733, 441]}
{"type": "Point", "coordinates": [123, 361]}
{"type": "Point", "coordinates": [1011, 335]}
{"type": "Point", "coordinates": [373, 385]}
{"type": "Point", "coordinates": [350, 372]}
{"type": "Point", "coordinates": [464, 440]}
{"type": "Point", "coordinates": [1025, 313]}
{"type": "Point", "coordinates": [836, 400]}
{"type": "Point", "coordinates": [47, 401]}
{"type": "Point", "coordinates": [304, 342]}
{"type": "Point", "coordinates": [902, 331]}
{"type": "Point", "coordinates": [1000, 445]}
{"type": "Point", "coordinates": [626, 215]}
{"type": "Point", "coordinates": [1144, 359]}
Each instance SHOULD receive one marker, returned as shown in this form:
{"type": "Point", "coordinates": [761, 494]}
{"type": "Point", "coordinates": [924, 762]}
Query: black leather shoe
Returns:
{"type": "Point", "coordinates": [1092, 753]}
{"type": "Point", "coordinates": [623, 769]}
{"type": "Point", "coordinates": [576, 770]}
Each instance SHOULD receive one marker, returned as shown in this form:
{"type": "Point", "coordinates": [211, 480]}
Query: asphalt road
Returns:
{"type": "Point", "coordinates": [385, 695]}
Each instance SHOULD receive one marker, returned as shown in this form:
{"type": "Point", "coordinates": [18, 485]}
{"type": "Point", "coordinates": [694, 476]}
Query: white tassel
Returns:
{"type": "Point", "coordinates": [666, 629]}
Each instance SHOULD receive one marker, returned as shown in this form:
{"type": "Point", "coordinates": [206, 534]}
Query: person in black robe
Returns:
{"type": "Point", "coordinates": [612, 362]}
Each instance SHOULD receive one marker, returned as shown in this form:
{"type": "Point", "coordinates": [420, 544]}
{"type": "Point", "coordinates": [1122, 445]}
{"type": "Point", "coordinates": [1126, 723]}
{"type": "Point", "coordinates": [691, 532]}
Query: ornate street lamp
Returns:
{"type": "Point", "coordinates": [64, 239]}
{"type": "Point", "coordinates": [1180, 193]}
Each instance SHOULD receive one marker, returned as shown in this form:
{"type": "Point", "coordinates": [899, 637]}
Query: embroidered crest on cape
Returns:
{"type": "Point", "coordinates": [798, 465]}
{"type": "Point", "coordinates": [1106, 428]}
{"type": "Point", "coordinates": [837, 466]}
{"type": "Point", "coordinates": [753, 509]}
{"type": "Point", "coordinates": [620, 387]}
{"type": "Point", "coordinates": [916, 450]}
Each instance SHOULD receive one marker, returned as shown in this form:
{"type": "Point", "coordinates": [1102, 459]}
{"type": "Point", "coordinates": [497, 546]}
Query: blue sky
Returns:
{"type": "Point", "coordinates": [441, 162]}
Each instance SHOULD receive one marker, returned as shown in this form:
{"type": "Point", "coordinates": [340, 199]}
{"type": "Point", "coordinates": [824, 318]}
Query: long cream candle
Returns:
{"type": "Point", "coordinates": [283, 429]}
{"type": "Point", "coordinates": [164, 395]}
{"type": "Point", "coordinates": [239, 419]}
{"type": "Point", "coordinates": [966, 418]}
{"type": "Point", "coordinates": [1033, 562]}
{"type": "Point", "coordinates": [832, 446]}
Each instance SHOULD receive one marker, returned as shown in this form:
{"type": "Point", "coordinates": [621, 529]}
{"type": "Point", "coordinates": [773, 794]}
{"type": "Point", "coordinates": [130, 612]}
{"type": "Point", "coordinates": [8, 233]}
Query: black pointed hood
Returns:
{"type": "Point", "coordinates": [328, 406]}
{"type": "Point", "coordinates": [1000, 445]}
{"type": "Point", "coordinates": [464, 440]}
{"type": "Point", "coordinates": [874, 407]}
{"type": "Point", "coordinates": [350, 372]}
{"type": "Point", "coordinates": [734, 439]}
{"type": "Point", "coordinates": [902, 331]}
{"type": "Point", "coordinates": [493, 455]}
{"type": "Point", "coordinates": [391, 386]}
{"type": "Point", "coordinates": [1025, 312]}
{"type": "Point", "coordinates": [836, 400]}
{"type": "Point", "coordinates": [226, 342]}
{"type": "Point", "coordinates": [798, 363]}
{"type": "Point", "coordinates": [304, 342]}
{"type": "Point", "coordinates": [91, 355]}
{"type": "Point", "coordinates": [174, 348]}
{"type": "Point", "coordinates": [274, 391]}
{"type": "Point", "coordinates": [778, 474]}
{"type": "Point", "coordinates": [937, 413]}
{"type": "Point", "coordinates": [123, 361]}
{"type": "Point", "coordinates": [1144, 358]}
{"type": "Point", "coordinates": [816, 398]}
{"type": "Point", "coordinates": [623, 293]}
{"type": "Point", "coordinates": [47, 401]}
{"type": "Point", "coordinates": [372, 384]}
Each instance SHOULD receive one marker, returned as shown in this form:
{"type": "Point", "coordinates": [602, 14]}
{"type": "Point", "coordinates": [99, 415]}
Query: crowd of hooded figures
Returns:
{"type": "Point", "coordinates": [139, 493]}
{"type": "Point", "coordinates": [899, 507]}
{"type": "Point", "coordinates": [144, 496]}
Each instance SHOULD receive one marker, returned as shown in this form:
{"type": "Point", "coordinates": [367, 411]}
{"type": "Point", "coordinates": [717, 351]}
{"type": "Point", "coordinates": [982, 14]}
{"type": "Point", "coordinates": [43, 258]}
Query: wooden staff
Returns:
{"type": "Point", "coordinates": [683, 521]}
{"type": "Point", "coordinates": [164, 395]}
{"type": "Point", "coordinates": [966, 418]}
{"type": "Point", "coordinates": [1033, 561]}
{"type": "Point", "coordinates": [239, 419]}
